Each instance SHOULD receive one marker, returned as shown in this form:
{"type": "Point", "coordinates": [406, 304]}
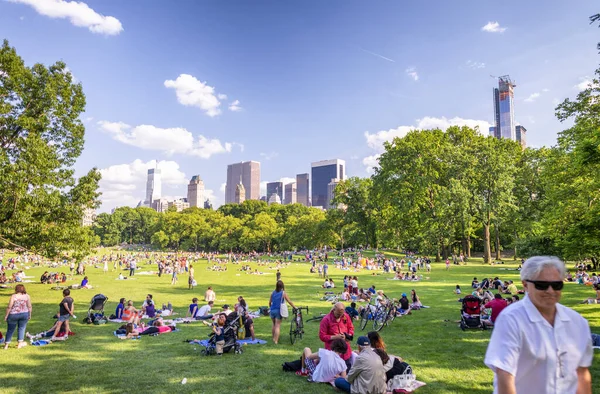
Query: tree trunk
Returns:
{"type": "Point", "coordinates": [515, 246]}
{"type": "Point", "coordinates": [487, 253]}
{"type": "Point", "coordinates": [437, 254]}
{"type": "Point", "coordinates": [469, 245]}
{"type": "Point", "coordinates": [497, 228]}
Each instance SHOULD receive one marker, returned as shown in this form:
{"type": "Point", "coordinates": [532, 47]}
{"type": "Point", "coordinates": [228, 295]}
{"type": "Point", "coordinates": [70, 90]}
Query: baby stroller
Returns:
{"type": "Point", "coordinates": [470, 314]}
{"type": "Point", "coordinates": [230, 329]}
{"type": "Point", "coordinates": [96, 310]}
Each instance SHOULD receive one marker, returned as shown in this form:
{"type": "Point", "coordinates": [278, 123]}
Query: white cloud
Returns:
{"type": "Point", "coordinates": [532, 97]}
{"type": "Point", "coordinates": [375, 140]}
{"type": "Point", "coordinates": [125, 184]}
{"type": "Point", "coordinates": [67, 70]}
{"type": "Point", "coordinates": [222, 96]}
{"type": "Point", "coordinates": [555, 101]}
{"type": "Point", "coordinates": [212, 197]}
{"type": "Point", "coordinates": [545, 90]}
{"type": "Point", "coordinates": [222, 187]}
{"type": "Point", "coordinates": [412, 72]}
{"type": "Point", "coordinates": [194, 93]}
{"type": "Point", "coordinates": [475, 65]}
{"type": "Point", "coordinates": [235, 106]}
{"type": "Point", "coordinates": [88, 119]}
{"type": "Point", "coordinates": [585, 83]}
{"type": "Point", "coordinates": [493, 27]}
{"type": "Point", "coordinates": [269, 156]}
{"type": "Point", "coordinates": [170, 141]}
{"type": "Point", "coordinates": [78, 13]}
{"type": "Point", "coordinates": [370, 162]}
{"type": "Point", "coordinates": [22, 18]}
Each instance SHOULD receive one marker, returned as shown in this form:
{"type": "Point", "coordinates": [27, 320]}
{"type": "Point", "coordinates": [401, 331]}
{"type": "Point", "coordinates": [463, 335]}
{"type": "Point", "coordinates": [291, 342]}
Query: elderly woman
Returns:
{"type": "Point", "coordinates": [539, 345]}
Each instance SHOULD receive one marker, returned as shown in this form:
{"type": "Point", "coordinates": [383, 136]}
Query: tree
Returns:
{"type": "Point", "coordinates": [354, 194]}
{"type": "Point", "coordinates": [41, 136]}
{"type": "Point", "coordinates": [593, 19]}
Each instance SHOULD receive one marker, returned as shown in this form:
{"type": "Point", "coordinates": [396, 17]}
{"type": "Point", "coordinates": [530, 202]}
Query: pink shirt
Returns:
{"type": "Point", "coordinates": [19, 304]}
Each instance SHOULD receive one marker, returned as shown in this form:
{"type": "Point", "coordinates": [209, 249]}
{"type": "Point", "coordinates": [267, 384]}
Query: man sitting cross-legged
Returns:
{"type": "Point", "coordinates": [325, 365]}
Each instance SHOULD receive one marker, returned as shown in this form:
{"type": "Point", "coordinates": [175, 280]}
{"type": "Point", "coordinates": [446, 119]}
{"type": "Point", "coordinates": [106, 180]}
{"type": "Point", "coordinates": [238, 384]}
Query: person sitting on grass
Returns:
{"type": "Point", "coordinates": [337, 324]}
{"type": "Point", "coordinates": [351, 310]}
{"type": "Point", "coordinates": [367, 374]}
{"type": "Point", "coordinates": [243, 311]}
{"type": "Point", "coordinates": [130, 314]}
{"type": "Point", "coordinates": [325, 365]}
{"type": "Point", "coordinates": [193, 309]}
{"type": "Point", "coordinates": [203, 313]}
{"type": "Point", "coordinates": [457, 290]}
{"type": "Point", "coordinates": [496, 305]}
{"type": "Point", "coordinates": [595, 300]}
{"type": "Point", "coordinates": [85, 283]}
{"type": "Point", "coordinates": [404, 305]}
{"type": "Point", "coordinates": [416, 302]}
{"type": "Point", "coordinates": [120, 308]}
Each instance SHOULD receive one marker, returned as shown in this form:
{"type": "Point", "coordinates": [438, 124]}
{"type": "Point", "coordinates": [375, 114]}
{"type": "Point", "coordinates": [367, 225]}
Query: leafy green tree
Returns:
{"type": "Point", "coordinates": [358, 205]}
{"type": "Point", "coordinates": [41, 136]}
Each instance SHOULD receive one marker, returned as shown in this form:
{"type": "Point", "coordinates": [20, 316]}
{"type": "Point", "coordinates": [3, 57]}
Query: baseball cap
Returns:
{"type": "Point", "coordinates": [403, 294]}
{"type": "Point", "coordinates": [226, 306]}
{"type": "Point", "coordinates": [363, 341]}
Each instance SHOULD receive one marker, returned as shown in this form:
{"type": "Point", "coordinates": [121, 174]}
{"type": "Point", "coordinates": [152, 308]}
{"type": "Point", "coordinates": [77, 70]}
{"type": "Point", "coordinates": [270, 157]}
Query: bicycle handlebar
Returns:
{"type": "Point", "coordinates": [301, 307]}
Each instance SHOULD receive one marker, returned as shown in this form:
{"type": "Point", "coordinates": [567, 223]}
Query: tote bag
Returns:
{"type": "Point", "coordinates": [283, 309]}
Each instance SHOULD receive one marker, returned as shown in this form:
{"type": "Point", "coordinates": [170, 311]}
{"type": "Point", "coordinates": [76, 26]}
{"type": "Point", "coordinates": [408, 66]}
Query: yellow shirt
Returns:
{"type": "Point", "coordinates": [513, 289]}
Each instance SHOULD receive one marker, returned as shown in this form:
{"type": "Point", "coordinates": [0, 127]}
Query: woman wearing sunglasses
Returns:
{"type": "Point", "coordinates": [539, 345]}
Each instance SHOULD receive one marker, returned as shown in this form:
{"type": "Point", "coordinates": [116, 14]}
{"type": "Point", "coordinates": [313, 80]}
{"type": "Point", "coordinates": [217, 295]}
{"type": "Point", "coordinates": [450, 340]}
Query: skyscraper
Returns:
{"type": "Point", "coordinates": [153, 186]}
{"type": "Point", "coordinates": [521, 133]}
{"type": "Point", "coordinates": [195, 193]}
{"type": "Point", "coordinates": [331, 193]}
{"type": "Point", "coordinates": [275, 188]}
{"type": "Point", "coordinates": [249, 172]}
{"type": "Point", "coordinates": [504, 109]}
{"type": "Point", "coordinates": [290, 193]}
{"type": "Point", "coordinates": [302, 189]}
{"type": "Point", "coordinates": [240, 193]}
{"type": "Point", "coordinates": [322, 173]}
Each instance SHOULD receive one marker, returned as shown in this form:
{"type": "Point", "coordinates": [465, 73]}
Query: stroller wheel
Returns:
{"type": "Point", "coordinates": [462, 326]}
{"type": "Point", "coordinates": [204, 353]}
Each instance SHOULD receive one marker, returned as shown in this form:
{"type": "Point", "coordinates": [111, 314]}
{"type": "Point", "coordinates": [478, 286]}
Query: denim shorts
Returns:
{"type": "Point", "coordinates": [64, 318]}
{"type": "Point", "coordinates": [275, 314]}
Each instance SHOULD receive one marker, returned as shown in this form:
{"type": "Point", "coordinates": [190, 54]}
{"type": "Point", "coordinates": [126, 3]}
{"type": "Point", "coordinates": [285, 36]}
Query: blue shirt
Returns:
{"type": "Point", "coordinates": [276, 300]}
{"type": "Point", "coordinates": [193, 312]}
{"type": "Point", "coordinates": [119, 310]}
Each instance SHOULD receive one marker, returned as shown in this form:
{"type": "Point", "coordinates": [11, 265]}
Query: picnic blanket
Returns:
{"type": "Point", "coordinates": [248, 341]}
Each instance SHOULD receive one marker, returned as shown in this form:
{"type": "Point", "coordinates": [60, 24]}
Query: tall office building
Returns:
{"type": "Point", "coordinates": [290, 193]}
{"type": "Point", "coordinates": [331, 193]}
{"type": "Point", "coordinates": [504, 109]}
{"type": "Point", "coordinates": [275, 188]}
{"type": "Point", "coordinates": [195, 193]}
{"type": "Point", "coordinates": [240, 193]}
{"type": "Point", "coordinates": [302, 189]}
{"type": "Point", "coordinates": [322, 173]}
{"type": "Point", "coordinates": [249, 172]}
{"type": "Point", "coordinates": [153, 186]}
{"type": "Point", "coordinates": [521, 133]}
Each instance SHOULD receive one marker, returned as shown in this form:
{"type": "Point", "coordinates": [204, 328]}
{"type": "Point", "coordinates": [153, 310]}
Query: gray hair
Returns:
{"type": "Point", "coordinates": [533, 266]}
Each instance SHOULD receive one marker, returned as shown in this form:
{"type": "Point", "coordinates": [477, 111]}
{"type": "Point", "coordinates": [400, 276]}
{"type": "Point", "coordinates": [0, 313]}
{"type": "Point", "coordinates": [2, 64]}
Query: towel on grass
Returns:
{"type": "Point", "coordinates": [249, 341]}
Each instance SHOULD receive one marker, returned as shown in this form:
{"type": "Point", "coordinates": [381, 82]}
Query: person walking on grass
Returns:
{"type": "Point", "coordinates": [539, 345]}
{"type": "Point", "coordinates": [278, 297]}
{"type": "Point", "coordinates": [191, 278]}
{"type": "Point", "coordinates": [65, 313]}
{"type": "Point", "coordinates": [105, 266]}
{"type": "Point", "coordinates": [18, 313]}
{"type": "Point", "coordinates": [174, 277]}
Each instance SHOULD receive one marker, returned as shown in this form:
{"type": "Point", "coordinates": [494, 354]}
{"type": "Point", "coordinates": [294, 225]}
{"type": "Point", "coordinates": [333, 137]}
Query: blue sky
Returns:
{"type": "Point", "coordinates": [304, 81]}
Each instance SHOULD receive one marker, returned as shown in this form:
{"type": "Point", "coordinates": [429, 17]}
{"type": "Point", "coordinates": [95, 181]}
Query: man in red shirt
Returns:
{"type": "Point", "coordinates": [337, 325]}
{"type": "Point", "coordinates": [497, 305]}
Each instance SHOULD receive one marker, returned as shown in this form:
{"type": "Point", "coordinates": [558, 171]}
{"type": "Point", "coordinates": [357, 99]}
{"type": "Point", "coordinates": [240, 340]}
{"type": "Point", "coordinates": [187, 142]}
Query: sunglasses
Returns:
{"type": "Point", "coordinates": [543, 285]}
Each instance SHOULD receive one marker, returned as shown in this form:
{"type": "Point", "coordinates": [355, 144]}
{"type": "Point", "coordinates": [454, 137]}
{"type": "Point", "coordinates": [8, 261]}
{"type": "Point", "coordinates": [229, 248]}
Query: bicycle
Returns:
{"type": "Point", "coordinates": [297, 324]}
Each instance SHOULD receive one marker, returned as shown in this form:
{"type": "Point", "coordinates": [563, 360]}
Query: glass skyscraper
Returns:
{"type": "Point", "coordinates": [504, 109]}
{"type": "Point", "coordinates": [322, 174]}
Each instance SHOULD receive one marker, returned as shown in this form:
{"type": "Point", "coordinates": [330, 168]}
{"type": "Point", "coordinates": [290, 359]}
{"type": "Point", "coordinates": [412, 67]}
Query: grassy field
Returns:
{"type": "Point", "coordinates": [446, 358]}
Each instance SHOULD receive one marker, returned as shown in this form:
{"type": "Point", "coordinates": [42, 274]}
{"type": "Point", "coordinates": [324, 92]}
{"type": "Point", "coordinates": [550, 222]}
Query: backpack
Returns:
{"type": "Point", "coordinates": [292, 366]}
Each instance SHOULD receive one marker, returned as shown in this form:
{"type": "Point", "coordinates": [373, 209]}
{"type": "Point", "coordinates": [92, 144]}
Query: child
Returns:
{"type": "Point", "coordinates": [457, 290]}
{"type": "Point", "coordinates": [218, 329]}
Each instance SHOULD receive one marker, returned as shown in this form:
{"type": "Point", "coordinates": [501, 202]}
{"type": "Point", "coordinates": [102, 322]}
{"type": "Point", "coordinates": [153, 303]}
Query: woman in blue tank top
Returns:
{"type": "Point", "coordinates": [278, 297]}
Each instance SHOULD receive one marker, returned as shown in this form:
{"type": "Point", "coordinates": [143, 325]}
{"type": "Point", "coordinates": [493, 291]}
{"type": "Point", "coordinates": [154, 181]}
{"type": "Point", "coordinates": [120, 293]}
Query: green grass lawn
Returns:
{"type": "Point", "coordinates": [446, 358]}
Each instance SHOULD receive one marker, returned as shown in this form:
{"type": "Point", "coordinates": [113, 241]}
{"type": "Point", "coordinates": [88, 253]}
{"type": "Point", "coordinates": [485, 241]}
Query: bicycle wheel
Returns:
{"type": "Point", "coordinates": [379, 320]}
{"type": "Point", "coordinates": [391, 313]}
{"type": "Point", "coordinates": [293, 331]}
{"type": "Point", "coordinates": [364, 318]}
{"type": "Point", "coordinates": [300, 326]}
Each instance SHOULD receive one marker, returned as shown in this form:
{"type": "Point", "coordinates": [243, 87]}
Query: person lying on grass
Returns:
{"type": "Point", "coordinates": [61, 336]}
{"type": "Point", "coordinates": [325, 365]}
{"type": "Point", "coordinates": [158, 327]}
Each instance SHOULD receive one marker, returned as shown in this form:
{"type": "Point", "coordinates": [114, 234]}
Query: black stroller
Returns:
{"type": "Point", "coordinates": [96, 311]}
{"type": "Point", "coordinates": [231, 327]}
{"type": "Point", "coordinates": [470, 313]}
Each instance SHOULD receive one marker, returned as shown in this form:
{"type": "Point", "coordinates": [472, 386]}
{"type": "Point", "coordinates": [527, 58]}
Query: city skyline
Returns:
{"type": "Point", "coordinates": [286, 95]}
